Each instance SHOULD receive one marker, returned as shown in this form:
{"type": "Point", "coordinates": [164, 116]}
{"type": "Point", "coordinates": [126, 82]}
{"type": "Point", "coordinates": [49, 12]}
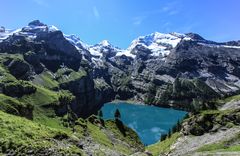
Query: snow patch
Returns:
{"type": "Point", "coordinates": [52, 28]}
{"type": "Point", "coordinates": [159, 43]}
{"type": "Point", "coordinates": [219, 46]}
{"type": "Point", "coordinates": [4, 35]}
{"type": "Point", "coordinates": [126, 53]}
{"type": "Point", "coordinates": [105, 43]}
{"type": "Point", "coordinates": [95, 52]}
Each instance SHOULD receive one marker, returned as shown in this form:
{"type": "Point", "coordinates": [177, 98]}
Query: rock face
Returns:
{"type": "Point", "coordinates": [18, 68]}
{"type": "Point", "coordinates": [2, 29]}
{"type": "Point", "coordinates": [147, 71]}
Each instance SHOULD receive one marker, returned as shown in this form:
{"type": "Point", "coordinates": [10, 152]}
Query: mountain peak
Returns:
{"type": "Point", "coordinates": [105, 43]}
{"type": "Point", "coordinates": [195, 36]}
{"type": "Point", "coordinates": [2, 29]}
{"type": "Point", "coordinates": [36, 23]}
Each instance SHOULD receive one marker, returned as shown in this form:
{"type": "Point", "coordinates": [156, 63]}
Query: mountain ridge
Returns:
{"type": "Point", "coordinates": [146, 71]}
{"type": "Point", "coordinates": [58, 82]}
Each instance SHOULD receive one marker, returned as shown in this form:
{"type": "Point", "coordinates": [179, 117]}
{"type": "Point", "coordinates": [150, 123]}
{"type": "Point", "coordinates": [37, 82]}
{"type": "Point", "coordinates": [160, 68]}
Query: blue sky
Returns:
{"type": "Point", "coordinates": [121, 21]}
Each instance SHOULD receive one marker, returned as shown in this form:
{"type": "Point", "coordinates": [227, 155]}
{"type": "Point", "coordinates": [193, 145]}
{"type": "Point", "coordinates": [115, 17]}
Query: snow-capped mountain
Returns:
{"type": "Point", "coordinates": [30, 32]}
{"type": "Point", "coordinates": [154, 60]}
{"type": "Point", "coordinates": [76, 41]}
{"type": "Point", "coordinates": [158, 43]}
{"type": "Point", "coordinates": [104, 48]}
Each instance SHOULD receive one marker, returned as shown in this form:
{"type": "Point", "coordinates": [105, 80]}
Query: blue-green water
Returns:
{"type": "Point", "coordinates": [148, 121]}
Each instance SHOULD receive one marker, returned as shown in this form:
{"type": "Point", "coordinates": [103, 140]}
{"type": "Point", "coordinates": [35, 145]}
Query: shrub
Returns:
{"type": "Point", "coordinates": [18, 88]}
{"type": "Point", "coordinates": [117, 114]}
{"type": "Point", "coordinates": [163, 137]}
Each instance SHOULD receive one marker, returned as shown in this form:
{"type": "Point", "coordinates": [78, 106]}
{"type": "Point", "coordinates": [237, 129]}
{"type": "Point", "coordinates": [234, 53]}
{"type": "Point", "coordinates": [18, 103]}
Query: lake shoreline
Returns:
{"type": "Point", "coordinates": [131, 102]}
{"type": "Point", "coordinates": [148, 121]}
{"type": "Point", "coordinates": [141, 103]}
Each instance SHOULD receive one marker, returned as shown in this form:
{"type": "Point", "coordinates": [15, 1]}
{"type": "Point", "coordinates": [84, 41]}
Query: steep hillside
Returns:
{"type": "Point", "coordinates": [89, 137]}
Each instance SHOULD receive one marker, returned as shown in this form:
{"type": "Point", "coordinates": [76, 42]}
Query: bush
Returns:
{"type": "Point", "coordinates": [163, 137]}
{"type": "Point", "coordinates": [13, 106]}
{"type": "Point", "coordinates": [117, 114]}
{"type": "Point", "coordinates": [18, 88]}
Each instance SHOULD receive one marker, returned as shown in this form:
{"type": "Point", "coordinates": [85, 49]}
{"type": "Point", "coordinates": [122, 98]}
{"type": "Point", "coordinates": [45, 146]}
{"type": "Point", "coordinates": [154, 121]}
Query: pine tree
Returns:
{"type": "Point", "coordinates": [169, 133]}
{"type": "Point", "coordinates": [163, 137]}
{"type": "Point", "coordinates": [117, 114]}
{"type": "Point", "coordinates": [178, 126]}
{"type": "Point", "coordinates": [100, 114]}
{"type": "Point", "coordinates": [174, 129]}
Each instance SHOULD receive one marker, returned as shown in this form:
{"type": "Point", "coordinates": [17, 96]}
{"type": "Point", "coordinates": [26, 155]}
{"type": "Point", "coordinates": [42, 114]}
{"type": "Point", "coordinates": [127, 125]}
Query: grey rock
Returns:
{"type": "Point", "coordinates": [2, 29]}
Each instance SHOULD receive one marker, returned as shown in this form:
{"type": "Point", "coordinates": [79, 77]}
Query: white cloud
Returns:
{"type": "Point", "coordinates": [96, 12]}
{"type": "Point", "coordinates": [173, 12]}
{"type": "Point", "coordinates": [138, 20]}
{"type": "Point", "coordinates": [170, 9]}
{"type": "Point", "coordinates": [166, 8]}
{"type": "Point", "coordinates": [41, 3]}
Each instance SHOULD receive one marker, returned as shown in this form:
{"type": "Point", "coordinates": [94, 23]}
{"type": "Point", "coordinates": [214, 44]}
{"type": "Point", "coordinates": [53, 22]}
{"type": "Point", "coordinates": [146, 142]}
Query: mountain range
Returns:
{"type": "Point", "coordinates": [58, 82]}
{"type": "Point", "coordinates": [150, 70]}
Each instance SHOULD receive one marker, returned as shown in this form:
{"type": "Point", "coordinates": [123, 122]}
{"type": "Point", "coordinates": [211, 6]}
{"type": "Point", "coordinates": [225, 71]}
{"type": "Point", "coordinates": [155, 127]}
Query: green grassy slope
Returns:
{"type": "Point", "coordinates": [160, 148]}
{"type": "Point", "coordinates": [21, 135]}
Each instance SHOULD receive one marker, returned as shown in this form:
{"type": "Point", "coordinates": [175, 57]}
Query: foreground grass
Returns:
{"type": "Point", "coordinates": [111, 137]}
{"type": "Point", "coordinates": [22, 136]}
{"type": "Point", "coordinates": [19, 135]}
{"type": "Point", "coordinates": [163, 146]}
{"type": "Point", "coordinates": [11, 105]}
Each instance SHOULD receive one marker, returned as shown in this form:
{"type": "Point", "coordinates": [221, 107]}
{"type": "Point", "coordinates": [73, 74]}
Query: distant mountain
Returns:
{"type": "Point", "coordinates": [163, 69]}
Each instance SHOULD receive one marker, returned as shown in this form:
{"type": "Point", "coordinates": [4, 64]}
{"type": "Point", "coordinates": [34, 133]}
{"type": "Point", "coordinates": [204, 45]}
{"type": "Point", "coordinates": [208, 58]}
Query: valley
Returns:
{"type": "Point", "coordinates": [52, 86]}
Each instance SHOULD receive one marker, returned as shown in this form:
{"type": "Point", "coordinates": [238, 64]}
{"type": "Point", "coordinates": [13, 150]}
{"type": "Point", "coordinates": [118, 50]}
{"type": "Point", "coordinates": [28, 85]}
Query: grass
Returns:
{"type": "Point", "coordinates": [218, 114]}
{"type": "Point", "coordinates": [163, 146]}
{"type": "Point", "coordinates": [41, 97]}
{"type": "Point", "coordinates": [110, 136]}
{"type": "Point", "coordinates": [65, 75]}
{"type": "Point", "coordinates": [228, 99]}
{"type": "Point", "coordinates": [130, 136]}
{"type": "Point", "coordinates": [46, 79]}
{"type": "Point", "coordinates": [5, 76]}
{"type": "Point", "coordinates": [230, 145]}
{"type": "Point", "coordinates": [12, 105]}
{"type": "Point", "coordinates": [6, 56]}
{"type": "Point", "coordinates": [22, 135]}
{"type": "Point", "coordinates": [44, 102]}
{"type": "Point", "coordinates": [41, 133]}
{"type": "Point", "coordinates": [46, 117]}
{"type": "Point", "coordinates": [98, 136]}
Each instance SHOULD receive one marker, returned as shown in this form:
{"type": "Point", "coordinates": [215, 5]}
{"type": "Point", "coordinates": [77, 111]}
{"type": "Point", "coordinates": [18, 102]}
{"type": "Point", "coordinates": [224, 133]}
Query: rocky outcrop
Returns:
{"type": "Point", "coordinates": [2, 29]}
{"type": "Point", "coordinates": [88, 98]}
{"type": "Point", "coordinates": [210, 122]}
{"type": "Point", "coordinates": [18, 68]}
{"type": "Point", "coordinates": [18, 89]}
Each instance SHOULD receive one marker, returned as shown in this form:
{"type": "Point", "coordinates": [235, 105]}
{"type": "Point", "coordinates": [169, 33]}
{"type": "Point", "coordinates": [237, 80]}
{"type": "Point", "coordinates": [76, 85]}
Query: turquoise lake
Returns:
{"type": "Point", "coordinates": [148, 121]}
